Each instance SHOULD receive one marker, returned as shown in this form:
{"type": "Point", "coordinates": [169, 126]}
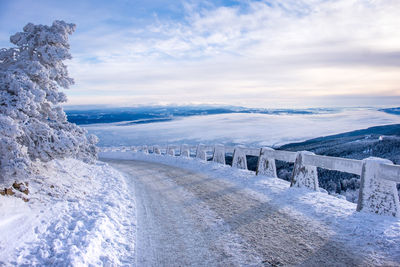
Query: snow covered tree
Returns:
{"type": "Point", "coordinates": [33, 125]}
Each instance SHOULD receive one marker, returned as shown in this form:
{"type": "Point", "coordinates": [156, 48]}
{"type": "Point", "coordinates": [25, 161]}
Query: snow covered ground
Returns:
{"type": "Point", "coordinates": [247, 129]}
{"type": "Point", "coordinates": [77, 214]}
{"type": "Point", "coordinates": [80, 214]}
{"type": "Point", "coordinates": [374, 238]}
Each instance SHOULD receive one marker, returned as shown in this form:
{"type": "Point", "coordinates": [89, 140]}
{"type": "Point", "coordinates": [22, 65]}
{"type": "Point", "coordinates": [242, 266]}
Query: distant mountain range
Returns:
{"type": "Point", "coordinates": [140, 115]}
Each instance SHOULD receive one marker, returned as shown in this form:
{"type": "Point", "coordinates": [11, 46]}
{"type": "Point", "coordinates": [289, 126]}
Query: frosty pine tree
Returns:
{"type": "Point", "coordinates": [33, 125]}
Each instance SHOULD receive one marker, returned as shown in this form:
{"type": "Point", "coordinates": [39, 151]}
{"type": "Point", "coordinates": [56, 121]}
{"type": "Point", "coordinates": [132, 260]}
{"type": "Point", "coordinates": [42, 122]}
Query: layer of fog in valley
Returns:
{"type": "Point", "coordinates": [252, 129]}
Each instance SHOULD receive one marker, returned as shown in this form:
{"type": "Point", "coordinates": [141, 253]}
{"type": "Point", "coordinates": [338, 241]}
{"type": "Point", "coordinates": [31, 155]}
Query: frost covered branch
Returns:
{"type": "Point", "coordinates": [33, 125]}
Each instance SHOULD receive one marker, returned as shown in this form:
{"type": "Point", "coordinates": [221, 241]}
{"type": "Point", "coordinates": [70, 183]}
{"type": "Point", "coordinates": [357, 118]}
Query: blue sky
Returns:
{"type": "Point", "coordinates": [303, 53]}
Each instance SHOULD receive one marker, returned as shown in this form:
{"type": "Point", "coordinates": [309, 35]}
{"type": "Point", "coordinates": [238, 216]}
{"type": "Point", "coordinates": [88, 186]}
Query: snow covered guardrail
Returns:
{"type": "Point", "coordinates": [378, 192]}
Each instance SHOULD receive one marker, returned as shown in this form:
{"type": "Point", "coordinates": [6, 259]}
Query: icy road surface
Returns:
{"type": "Point", "coordinates": [192, 219]}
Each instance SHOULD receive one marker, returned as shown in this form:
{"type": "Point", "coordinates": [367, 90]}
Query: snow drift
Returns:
{"type": "Point", "coordinates": [77, 214]}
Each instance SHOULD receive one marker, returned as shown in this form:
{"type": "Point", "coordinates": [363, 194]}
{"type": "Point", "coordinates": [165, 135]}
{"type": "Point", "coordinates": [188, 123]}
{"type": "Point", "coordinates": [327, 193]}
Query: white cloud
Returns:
{"type": "Point", "coordinates": [261, 52]}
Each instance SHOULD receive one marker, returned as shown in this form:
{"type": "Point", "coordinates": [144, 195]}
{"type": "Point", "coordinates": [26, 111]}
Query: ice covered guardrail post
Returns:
{"type": "Point", "coordinates": [170, 151]}
{"type": "Point", "coordinates": [201, 152]}
{"type": "Point", "coordinates": [145, 150]}
{"type": "Point", "coordinates": [266, 164]}
{"type": "Point", "coordinates": [185, 151]}
{"type": "Point", "coordinates": [239, 158]}
{"type": "Point", "coordinates": [304, 175]}
{"type": "Point", "coordinates": [219, 154]}
{"type": "Point", "coordinates": [378, 192]}
{"type": "Point", "coordinates": [156, 150]}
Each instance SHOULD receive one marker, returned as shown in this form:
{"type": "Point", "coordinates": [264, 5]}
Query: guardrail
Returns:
{"type": "Point", "coordinates": [378, 193]}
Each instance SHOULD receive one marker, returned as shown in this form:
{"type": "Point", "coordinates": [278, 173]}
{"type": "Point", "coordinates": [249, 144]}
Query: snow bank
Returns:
{"type": "Point", "coordinates": [78, 214]}
{"type": "Point", "coordinates": [374, 236]}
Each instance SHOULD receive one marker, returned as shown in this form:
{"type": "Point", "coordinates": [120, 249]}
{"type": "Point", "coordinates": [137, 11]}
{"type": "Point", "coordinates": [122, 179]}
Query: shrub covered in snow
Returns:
{"type": "Point", "coordinates": [33, 125]}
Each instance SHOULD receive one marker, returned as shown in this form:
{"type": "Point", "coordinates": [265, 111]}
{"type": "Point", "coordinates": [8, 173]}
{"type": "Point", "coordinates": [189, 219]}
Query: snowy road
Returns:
{"type": "Point", "coordinates": [186, 218]}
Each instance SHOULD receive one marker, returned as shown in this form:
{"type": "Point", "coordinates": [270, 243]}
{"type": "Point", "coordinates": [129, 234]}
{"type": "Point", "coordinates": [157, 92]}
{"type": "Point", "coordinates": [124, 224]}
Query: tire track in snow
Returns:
{"type": "Point", "coordinates": [185, 218]}
{"type": "Point", "coordinates": [171, 233]}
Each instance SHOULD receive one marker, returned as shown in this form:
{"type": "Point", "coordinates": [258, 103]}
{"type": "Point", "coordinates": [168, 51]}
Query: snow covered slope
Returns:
{"type": "Point", "coordinates": [77, 214]}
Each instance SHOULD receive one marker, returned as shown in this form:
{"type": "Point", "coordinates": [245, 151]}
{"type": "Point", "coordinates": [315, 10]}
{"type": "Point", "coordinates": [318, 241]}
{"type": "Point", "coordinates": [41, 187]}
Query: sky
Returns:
{"type": "Point", "coordinates": [265, 53]}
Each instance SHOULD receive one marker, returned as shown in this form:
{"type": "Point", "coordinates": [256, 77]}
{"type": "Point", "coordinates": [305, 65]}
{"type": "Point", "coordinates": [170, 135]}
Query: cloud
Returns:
{"type": "Point", "coordinates": [253, 52]}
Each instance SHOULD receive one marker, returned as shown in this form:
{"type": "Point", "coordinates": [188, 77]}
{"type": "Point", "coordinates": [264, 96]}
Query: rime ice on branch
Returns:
{"type": "Point", "coordinates": [33, 124]}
